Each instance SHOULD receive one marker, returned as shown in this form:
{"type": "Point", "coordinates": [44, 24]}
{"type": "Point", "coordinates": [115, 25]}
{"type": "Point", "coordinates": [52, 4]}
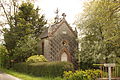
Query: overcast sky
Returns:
{"type": "Point", "coordinates": [48, 7]}
{"type": "Point", "coordinates": [70, 7]}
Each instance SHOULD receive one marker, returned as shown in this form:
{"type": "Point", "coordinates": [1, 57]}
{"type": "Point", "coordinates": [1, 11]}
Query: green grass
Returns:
{"type": "Point", "coordinates": [26, 76]}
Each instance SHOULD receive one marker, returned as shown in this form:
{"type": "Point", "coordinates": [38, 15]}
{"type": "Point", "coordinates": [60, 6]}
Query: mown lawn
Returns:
{"type": "Point", "coordinates": [26, 76]}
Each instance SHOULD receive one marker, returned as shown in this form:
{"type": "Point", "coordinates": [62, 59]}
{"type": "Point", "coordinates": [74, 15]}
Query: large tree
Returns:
{"type": "Point", "coordinates": [22, 36]}
{"type": "Point", "coordinates": [100, 28]}
{"type": "Point", "coordinates": [7, 9]}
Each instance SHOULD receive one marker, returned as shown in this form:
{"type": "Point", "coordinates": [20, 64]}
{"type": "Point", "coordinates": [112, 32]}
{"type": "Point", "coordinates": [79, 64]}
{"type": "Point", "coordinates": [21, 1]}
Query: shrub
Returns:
{"type": "Point", "coordinates": [82, 75]}
{"type": "Point", "coordinates": [36, 58]}
{"type": "Point", "coordinates": [49, 69]}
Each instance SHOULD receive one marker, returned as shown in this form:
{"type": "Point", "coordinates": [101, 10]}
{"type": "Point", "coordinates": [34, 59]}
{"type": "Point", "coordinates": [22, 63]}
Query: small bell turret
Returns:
{"type": "Point", "coordinates": [57, 16]}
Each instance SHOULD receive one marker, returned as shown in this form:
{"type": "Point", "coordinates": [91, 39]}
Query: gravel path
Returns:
{"type": "Point", "coordinates": [4, 76]}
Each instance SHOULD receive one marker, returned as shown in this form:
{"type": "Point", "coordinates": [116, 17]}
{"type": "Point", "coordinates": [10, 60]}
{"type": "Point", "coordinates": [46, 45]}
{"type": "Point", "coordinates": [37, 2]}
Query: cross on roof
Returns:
{"type": "Point", "coordinates": [64, 15]}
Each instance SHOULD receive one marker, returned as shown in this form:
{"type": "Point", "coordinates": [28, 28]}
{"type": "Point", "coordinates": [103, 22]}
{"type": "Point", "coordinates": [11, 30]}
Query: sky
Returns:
{"type": "Point", "coordinates": [48, 7]}
{"type": "Point", "coordinates": [70, 7]}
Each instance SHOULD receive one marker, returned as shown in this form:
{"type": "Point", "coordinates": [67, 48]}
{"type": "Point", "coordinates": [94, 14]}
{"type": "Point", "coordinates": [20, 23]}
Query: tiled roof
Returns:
{"type": "Point", "coordinates": [44, 34]}
{"type": "Point", "coordinates": [53, 28]}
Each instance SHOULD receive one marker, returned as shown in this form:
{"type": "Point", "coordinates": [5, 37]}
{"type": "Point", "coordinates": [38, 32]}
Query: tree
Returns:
{"type": "Point", "coordinates": [100, 27]}
{"type": "Point", "coordinates": [22, 36]}
{"type": "Point", "coordinates": [3, 56]}
{"type": "Point", "coordinates": [26, 47]}
{"type": "Point", "coordinates": [7, 8]}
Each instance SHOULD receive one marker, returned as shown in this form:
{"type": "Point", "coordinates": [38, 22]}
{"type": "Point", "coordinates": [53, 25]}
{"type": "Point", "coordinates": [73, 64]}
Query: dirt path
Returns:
{"type": "Point", "coordinates": [4, 76]}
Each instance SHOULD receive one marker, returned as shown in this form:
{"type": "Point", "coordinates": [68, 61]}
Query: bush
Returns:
{"type": "Point", "coordinates": [36, 58]}
{"type": "Point", "coordinates": [82, 75]}
{"type": "Point", "coordinates": [49, 69]}
{"type": "Point", "coordinates": [88, 65]}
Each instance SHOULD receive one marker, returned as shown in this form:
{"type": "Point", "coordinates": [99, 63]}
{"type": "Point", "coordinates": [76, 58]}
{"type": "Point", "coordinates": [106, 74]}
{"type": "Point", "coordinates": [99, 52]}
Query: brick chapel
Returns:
{"type": "Point", "coordinates": [58, 41]}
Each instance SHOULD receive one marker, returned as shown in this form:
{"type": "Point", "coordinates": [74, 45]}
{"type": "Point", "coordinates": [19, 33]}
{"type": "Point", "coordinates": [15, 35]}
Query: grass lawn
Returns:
{"type": "Point", "coordinates": [26, 76]}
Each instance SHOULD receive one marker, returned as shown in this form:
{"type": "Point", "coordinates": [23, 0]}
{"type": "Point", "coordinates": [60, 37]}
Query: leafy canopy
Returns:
{"type": "Point", "coordinates": [22, 36]}
{"type": "Point", "coordinates": [99, 25]}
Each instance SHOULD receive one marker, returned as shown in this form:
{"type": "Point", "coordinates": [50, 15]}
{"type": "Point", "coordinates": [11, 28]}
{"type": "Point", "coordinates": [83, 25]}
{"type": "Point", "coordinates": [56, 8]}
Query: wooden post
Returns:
{"type": "Point", "coordinates": [109, 69]}
{"type": "Point", "coordinates": [101, 71]}
{"type": "Point", "coordinates": [109, 72]}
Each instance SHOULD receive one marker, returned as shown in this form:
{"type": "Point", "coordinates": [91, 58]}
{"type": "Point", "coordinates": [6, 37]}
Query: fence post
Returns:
{"type": "Point", "coordinates": [109, 72]}
{"type": "Point", "coordinates": [109, 69]}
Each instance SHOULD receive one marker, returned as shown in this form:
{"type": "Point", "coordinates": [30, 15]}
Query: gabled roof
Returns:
{"type": "Point", "coordinates": [61, 22]}
{"type": "Point", "coordinates": [53, 28]}
{"type": "Point", "coordinates": [44, 34]}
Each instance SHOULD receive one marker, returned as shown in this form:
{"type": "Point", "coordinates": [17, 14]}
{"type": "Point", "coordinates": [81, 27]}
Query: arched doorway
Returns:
{"type": "Point", "coordinates": [64, 57]}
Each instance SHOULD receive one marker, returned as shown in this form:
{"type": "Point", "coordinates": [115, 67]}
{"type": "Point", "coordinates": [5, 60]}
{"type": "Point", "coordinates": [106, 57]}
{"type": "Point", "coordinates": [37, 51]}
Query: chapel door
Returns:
{"type": "Point", "coordinates": [64, 57]}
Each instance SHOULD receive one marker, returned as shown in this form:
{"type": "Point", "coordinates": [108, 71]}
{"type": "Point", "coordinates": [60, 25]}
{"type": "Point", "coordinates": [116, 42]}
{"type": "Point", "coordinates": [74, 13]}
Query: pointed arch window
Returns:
{"type": "Point", "coordinates": [64, 57]}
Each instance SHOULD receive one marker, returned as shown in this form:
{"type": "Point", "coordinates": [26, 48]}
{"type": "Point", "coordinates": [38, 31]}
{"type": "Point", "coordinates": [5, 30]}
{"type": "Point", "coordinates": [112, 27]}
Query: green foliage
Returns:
{"type": "Point", "coordinates": [82, 75]}
{"type": "Point", "coordinates": [36, 58]}
{"type": "Point", "coordinates": [27, 76]}
{"type": "Point", "coordinates": [118, 70]}
{"type": "Point", "coordinates": [88, 65]}
{"type": "Point", "coordinates": [3, 56]}
{"type": "Point", "coordinates": [35, 21]}
{"type": "Point", "coordinates": [25, 48]}
{"type": "Point", "coordinates": [99, 25]}
{"type": "Point", "coordinates": [22, 37]}
{"type": "Point", "coordinates": [49, 69]}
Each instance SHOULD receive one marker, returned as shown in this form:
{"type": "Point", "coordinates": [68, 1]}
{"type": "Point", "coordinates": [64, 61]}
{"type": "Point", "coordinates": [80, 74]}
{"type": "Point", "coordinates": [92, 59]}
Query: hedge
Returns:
{"type": "Point", "coordinates": [49, 69]}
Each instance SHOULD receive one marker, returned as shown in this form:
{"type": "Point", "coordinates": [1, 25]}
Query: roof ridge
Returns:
{"type": "Point", "coordinates": [53, 28]}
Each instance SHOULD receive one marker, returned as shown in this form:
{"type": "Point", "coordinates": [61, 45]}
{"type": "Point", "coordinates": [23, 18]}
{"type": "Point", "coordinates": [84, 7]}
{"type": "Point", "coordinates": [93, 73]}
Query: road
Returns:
{"type": "Point", "coordinates": [4, 76]}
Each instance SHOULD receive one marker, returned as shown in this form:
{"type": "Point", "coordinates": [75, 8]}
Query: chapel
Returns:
{"type": "Point", "coordinates": [58, 41]}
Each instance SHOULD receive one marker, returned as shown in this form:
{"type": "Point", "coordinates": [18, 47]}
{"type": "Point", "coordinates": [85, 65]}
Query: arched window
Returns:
{"type": "Point", "coordinates": [42, 48]}
{"type": "Point", "coordinates": [64, 57]}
